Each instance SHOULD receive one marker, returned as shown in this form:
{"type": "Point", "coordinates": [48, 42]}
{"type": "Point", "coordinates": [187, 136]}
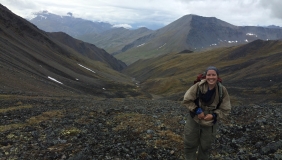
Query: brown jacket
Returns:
{"type": "Point", "coordinates": [223, 110]}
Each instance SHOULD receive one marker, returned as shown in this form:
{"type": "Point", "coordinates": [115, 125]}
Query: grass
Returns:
{"type": "Point", "coordinates": [163, 128]}
{"type": "Point", "coordinates": [174, 73]}
{"type": "Point", "coordinates": [15, 108]}
{"type": "Point", "coordinates": [4, 128]}
{"type": "Point", "coordinates": [131, 120]}
{"type": "Point", "coordinates": [70, 131]}
{"type": "Point", "coordinates": [45, 116]}
{"type": "Point", "coordinates": [31, 121]}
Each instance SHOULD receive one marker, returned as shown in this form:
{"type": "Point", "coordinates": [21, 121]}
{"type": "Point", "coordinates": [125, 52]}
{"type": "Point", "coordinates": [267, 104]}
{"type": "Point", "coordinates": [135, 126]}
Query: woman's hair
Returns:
{"type": "Point", "coordinates": [212, 68]}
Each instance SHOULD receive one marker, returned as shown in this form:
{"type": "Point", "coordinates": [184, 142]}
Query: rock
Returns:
{"type": "Point", "coordinates": [84, 128]}
{"type": "Point", "coordinates": [271, 147]}
{"type": "Point", "coordinates": [149, 131]}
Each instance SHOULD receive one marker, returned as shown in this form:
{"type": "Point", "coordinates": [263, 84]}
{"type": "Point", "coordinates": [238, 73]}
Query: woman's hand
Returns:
{"type": "Point", "coordinates": [201, 116]}
{"type": "Point", "coordinates": [208, 117]}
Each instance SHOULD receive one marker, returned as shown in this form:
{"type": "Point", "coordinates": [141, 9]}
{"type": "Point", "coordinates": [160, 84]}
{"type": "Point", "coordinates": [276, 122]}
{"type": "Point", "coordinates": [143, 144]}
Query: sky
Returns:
{"type": "Point", "coordinates": [155, 14]}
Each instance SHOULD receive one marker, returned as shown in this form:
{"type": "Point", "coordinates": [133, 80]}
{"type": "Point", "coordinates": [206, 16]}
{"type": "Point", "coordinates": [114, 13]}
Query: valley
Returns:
{"type": "Point", "coordinates": [65, 98]}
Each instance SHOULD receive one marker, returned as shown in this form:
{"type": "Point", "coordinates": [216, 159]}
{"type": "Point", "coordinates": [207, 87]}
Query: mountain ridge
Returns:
{"type": "Point", "coordinates": [69, 24]}
{"type": "Point", "coordinates": [189, 32]}
{"type": "Point", "coordinates": [87, 50]}
{"type": "Point", "coordinates": [35, 63]}
{"type": "Point", "coordinates": [251, 72]}
{"type": "Point", "coordinates": [196, 33]}
{"type": "Point", "coordinates": [113, 40]}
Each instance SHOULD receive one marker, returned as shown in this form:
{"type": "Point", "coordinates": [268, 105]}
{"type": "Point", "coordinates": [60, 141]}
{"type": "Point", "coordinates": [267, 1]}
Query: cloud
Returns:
{"type": "Point", "coordinates": [274, 7]}
{"type": "Point", "coordinates": [156, 12]}
{"type": "Point", "coordinates": [122, 25]}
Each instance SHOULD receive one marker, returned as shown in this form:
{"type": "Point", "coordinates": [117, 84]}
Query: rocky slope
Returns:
{"type": "Point", "coordinates": [85, 128]}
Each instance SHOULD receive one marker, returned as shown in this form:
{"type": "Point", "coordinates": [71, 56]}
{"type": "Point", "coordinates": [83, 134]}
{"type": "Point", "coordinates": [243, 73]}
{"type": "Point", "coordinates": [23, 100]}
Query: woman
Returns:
{"type": "Point", "coordinates": [206, 109]}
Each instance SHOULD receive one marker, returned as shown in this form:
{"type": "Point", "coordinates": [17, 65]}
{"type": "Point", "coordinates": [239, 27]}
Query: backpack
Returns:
{"type": "Point", "coordinates": [219, 85]}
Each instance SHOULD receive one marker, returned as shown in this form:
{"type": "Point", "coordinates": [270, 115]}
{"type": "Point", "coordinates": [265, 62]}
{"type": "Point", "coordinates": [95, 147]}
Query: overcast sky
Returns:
{"type": "Point", "coordinates": [155, 13]}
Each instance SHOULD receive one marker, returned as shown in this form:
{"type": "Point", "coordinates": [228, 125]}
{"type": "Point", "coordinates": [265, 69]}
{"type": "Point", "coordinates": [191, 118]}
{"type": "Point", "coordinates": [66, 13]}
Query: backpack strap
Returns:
{"type": "Point", "coordinates": [220, 92]}
{"type": "Point", "coordinates": [219, 85]}
{"type": "Point", "coordinates": [196, 101]}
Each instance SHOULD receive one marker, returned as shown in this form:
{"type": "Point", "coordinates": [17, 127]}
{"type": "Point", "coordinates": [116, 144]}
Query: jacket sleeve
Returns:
{"type": "Point", "coordinates": [225, 107]}
{"type": "Point", "coordinates": [190, 96]}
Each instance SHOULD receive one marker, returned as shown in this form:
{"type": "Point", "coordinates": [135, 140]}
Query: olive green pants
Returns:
{"type": "Point", "coordinates": [198, 138]}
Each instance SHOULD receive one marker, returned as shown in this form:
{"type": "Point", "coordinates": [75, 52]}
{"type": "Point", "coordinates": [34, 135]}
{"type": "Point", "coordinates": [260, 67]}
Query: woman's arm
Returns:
{"type": "Point", "coordinates": [225, 107]}
{"type": "Point", "coordinates": [190, 96]}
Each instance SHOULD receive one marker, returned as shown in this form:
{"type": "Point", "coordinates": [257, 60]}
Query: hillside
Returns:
{"type": "Point", "coordinates": [113, 40]}
{"type": "Point", "coordinates": [195, 33]}
{"type": "Point", "coordinates": [87, 50]}
{"type": "Point", "coordinates": [251, 72]}
{"type": "Point", "coordinates": [190, 32]}
{"type": "Point", "coordinates": [32, 62]}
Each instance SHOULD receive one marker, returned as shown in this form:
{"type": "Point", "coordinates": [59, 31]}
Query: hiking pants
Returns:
{"type": "Point", "coordinates": [198, 138]}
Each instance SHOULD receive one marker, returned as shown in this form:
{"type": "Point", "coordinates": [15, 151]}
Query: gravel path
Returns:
{"type": "Point", "coordinates": [84, 128]}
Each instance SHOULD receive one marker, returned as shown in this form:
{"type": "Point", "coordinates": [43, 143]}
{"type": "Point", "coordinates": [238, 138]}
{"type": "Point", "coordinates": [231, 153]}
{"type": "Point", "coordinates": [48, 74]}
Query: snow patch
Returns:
{"type": "Point", "coordinates": [43, 17]}
{"type": "Point", "coordinates": [232, 41]}
{"type": "Point", "coordinates": [141, 45]}
{"type": "Point", "coordinates": [251, 34]}
{"type": "Point", "coordinates": [162, 45]}
{"type": "Point", "coordinates": [86, 68]}
{"type": "Point", "coordinates": [53, 79]}
{"type": "Point", "coordinates": [30, 17]}
{"type": "Point", "coordinates": [126, 26]}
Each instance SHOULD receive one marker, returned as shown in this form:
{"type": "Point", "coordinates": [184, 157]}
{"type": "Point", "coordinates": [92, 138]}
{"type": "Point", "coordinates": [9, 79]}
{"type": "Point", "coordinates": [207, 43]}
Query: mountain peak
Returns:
{"type": "Point", "coordinates": [68, 23]}
{"type": "Point", "coordinates": [44, 12]}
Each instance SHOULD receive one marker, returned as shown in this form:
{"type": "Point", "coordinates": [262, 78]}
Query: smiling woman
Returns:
{"type": "Point", "coordinates": [212, 76]}
{"type": "Point", "coordinates": [206, 108]}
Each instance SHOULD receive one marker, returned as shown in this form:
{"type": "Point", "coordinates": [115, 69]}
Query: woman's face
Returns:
{"type": "Point", "coordinates": [211, 77]}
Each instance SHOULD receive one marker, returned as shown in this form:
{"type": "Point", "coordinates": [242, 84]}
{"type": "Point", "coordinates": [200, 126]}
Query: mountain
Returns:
{"type": "Point", "coordinates": [195, 33]}
{"type": "Point", "coordinates": [190, 32]}
{"type": "Point", "coordinates": [113, 40]}
{"type": "Point", "coordinates": [73, 26]}
{"type": "Point", "coordinates": [252, 72]}
{"type": "Point", "coordinates": [273, 26]}
{"type": "Point", "coordinates": [103, 35]}
{"type": "Point", "coordinates": [88, 49]}
{"type": "Point", "coordinates": [33, 62]}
